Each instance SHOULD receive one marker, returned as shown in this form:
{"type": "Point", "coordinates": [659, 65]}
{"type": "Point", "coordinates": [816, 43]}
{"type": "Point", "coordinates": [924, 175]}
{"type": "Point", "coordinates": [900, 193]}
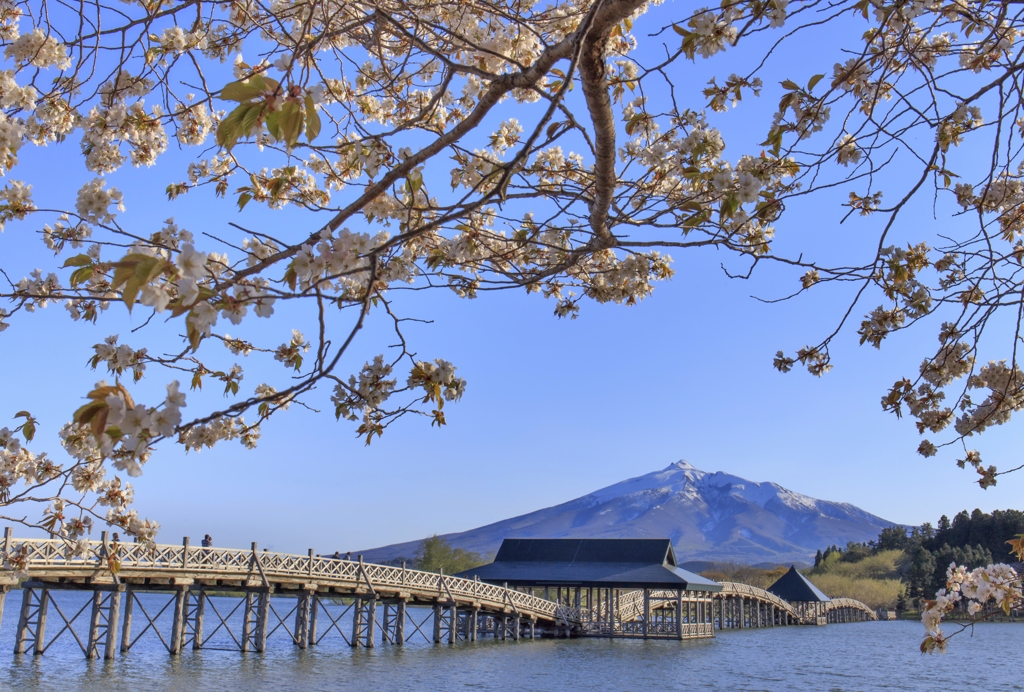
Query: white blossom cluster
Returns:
{"type": "Point", "coordinates": [440, 375]}
{"type": "Point", "coordinates": [223, 428]}
{"type": "Point", "coordinates": [61, 234]}
{"type": "Point", "coordinates": [997, 585]}
{"type": "Point", "coordinates": [17, 198]}
{"type": "Point", "coordinates": [139, 425]}
{"type": "Point", "coordinates": [94, 201]}
{"type": "Point", "coordinates": [290, 354]}
{"type": "Point", "coordinates": [119, 358]}
{"type": "Point", "coordinates": [19, 465]}
{"type": "Point", "coordinates": [37, 290]}
{"type": "Point", "coordinates": [11, 134]}
{"type": "Point", "coordinates": [336, 259]}
{"type": "Point", "coordinates": [108, 126]}
{"type": "Point", "coordinates": [194, 124]}
{"type": "Point", "coordinates": [39, 50]}
{"type": "Point", "coordinates": [1005, 387]}
{"type": "Point", "coordinates": [363, 396]}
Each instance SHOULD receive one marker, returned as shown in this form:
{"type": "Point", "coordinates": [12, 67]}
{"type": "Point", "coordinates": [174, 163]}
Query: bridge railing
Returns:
{"type": "Point", "coordinates": [731, 588]}
{"type": "Point", "coordinates": [49, 554]}
{"type": "Point", "coordinates": [850, 603]}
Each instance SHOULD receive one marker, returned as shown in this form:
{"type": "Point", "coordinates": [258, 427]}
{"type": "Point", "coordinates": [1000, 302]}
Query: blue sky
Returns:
{"type": "Point", "coordinates": [554, 409]}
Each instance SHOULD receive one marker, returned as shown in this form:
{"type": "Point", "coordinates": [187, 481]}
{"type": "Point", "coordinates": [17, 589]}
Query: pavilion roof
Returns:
{"type": "Point", "coordinates": [590, 562]}
{"type": "Point", "coordinates": [793, 586]}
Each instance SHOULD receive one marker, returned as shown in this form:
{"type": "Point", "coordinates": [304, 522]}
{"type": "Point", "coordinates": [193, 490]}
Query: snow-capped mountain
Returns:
{"type": "Point", "coordinates": [708, 516]}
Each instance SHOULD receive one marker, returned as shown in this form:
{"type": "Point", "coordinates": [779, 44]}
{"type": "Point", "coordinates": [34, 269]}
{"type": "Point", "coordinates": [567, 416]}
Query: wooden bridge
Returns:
{"type": "Point", "coordinates": [739, 606]}
{"type": "Point", "coordinates": [319, 592]}
{"type": "Point", "coordinates": [462, 608]}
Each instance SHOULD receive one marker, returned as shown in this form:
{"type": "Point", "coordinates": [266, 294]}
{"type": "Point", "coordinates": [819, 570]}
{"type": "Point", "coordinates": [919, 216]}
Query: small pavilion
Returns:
{"type": "Point", "coordinates": [622, 587]}
{"type": "Point", "coordinates": [808, 600]}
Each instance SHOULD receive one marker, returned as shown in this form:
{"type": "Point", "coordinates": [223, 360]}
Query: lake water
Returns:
{"type": "Point", "coordinates": [855, 656]}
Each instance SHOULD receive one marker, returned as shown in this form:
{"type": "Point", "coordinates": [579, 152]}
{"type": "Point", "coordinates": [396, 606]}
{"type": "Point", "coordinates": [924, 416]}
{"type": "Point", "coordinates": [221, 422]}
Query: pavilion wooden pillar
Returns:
{"type": "Point", "coordinates": [645, 627]}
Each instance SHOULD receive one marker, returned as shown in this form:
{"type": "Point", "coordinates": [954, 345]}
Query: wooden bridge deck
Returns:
{"type": "Point", "coordinates": [185, 565]}
{"type": "Point", "coordinates": [462, 608]}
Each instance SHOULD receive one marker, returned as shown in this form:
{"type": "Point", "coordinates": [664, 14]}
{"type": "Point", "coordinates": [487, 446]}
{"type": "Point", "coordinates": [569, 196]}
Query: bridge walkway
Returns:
{"type": "Point", "coordinates": [462, 608]}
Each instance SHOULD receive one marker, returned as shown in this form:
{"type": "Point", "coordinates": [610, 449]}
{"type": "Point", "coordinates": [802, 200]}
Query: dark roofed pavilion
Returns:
{"type": "Point", "coordinates": [624, 587]}
{"type": "Point", "coordinates": [807, 598]}
{"type": "Point", "coordinates": [619, 563]}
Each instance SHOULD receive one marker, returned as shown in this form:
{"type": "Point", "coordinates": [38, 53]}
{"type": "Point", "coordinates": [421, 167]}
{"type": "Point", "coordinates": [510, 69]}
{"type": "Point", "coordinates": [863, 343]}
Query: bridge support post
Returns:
{"type": "Point", "coordinates": [302, 618]}
{"type": "Point", "coordinates": [394, 622]}
{"type": "Point", "coordinates": [516, 622]}
{"type": "Point", "coordinates": [314, 609]}
{"type": "Point", "coordinates": [4, 588]}
{"type": "Point", "coordinates": [262, 620]}
{"type": "Point", "coordinates": [126, 625]}
{"type": "Point", "coordinates": [248, 620]}
{"type": "Point", "coordinates": [198, 616]}
{"type": "Point", "coordinates": [103, 622]}
{"type": "Point", "coordinates": [178, 620]}
{"type": "Point", "coordinates": [32, 619]}
{"type": "Point", "coordinates": [400, 623]}
{"type": "Point", "coordinates": [364, 618]}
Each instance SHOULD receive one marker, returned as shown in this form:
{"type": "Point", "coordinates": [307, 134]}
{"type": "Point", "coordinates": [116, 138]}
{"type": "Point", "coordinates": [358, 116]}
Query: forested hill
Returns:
{"type": "Point", "coordinates": [989, 531]}
{"type": "Point", "coordinates": [904, 567]}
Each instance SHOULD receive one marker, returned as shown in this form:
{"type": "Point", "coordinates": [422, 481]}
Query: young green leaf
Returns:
{"type": "Point", "coordinates": [244, 91]}
{"type": "Point", "coordinates": [312, 120]}
{"type": "Point", "coordinates": [77, 261]}
{"type": "Point", "coordinates": [291, 122]}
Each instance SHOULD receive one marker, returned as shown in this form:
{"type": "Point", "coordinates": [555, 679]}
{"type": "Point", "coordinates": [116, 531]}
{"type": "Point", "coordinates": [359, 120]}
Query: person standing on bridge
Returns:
{"type": "Point", "coordinates": [207, 541]}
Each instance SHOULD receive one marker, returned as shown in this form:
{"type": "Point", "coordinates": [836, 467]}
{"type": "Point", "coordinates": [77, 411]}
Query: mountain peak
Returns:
{"type": "Point", "coordinates": [682, 465]}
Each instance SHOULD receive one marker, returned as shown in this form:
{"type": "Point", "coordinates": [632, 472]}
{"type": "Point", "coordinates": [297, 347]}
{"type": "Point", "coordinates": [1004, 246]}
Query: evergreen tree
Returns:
{"type": "Point", "coordinates": [922, 574]}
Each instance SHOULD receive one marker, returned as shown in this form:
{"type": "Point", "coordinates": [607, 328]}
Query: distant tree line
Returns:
{"type": "Point", "coordinates": [973, 540]}
{"type": "Point", "coordinates": [435, 553]}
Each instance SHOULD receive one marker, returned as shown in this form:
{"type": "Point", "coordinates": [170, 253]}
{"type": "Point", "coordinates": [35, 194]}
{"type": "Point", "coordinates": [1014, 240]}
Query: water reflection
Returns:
{"type": "Point", "coordinates": [855, 656]}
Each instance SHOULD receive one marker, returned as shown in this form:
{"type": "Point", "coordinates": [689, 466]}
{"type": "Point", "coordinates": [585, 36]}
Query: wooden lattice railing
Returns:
{"type": "Point", "coordinates": [50, 558]}
{"type": "Point", "coordinates": [851, 603]}
{"type": "Point", "coordinates": [731, 588]}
